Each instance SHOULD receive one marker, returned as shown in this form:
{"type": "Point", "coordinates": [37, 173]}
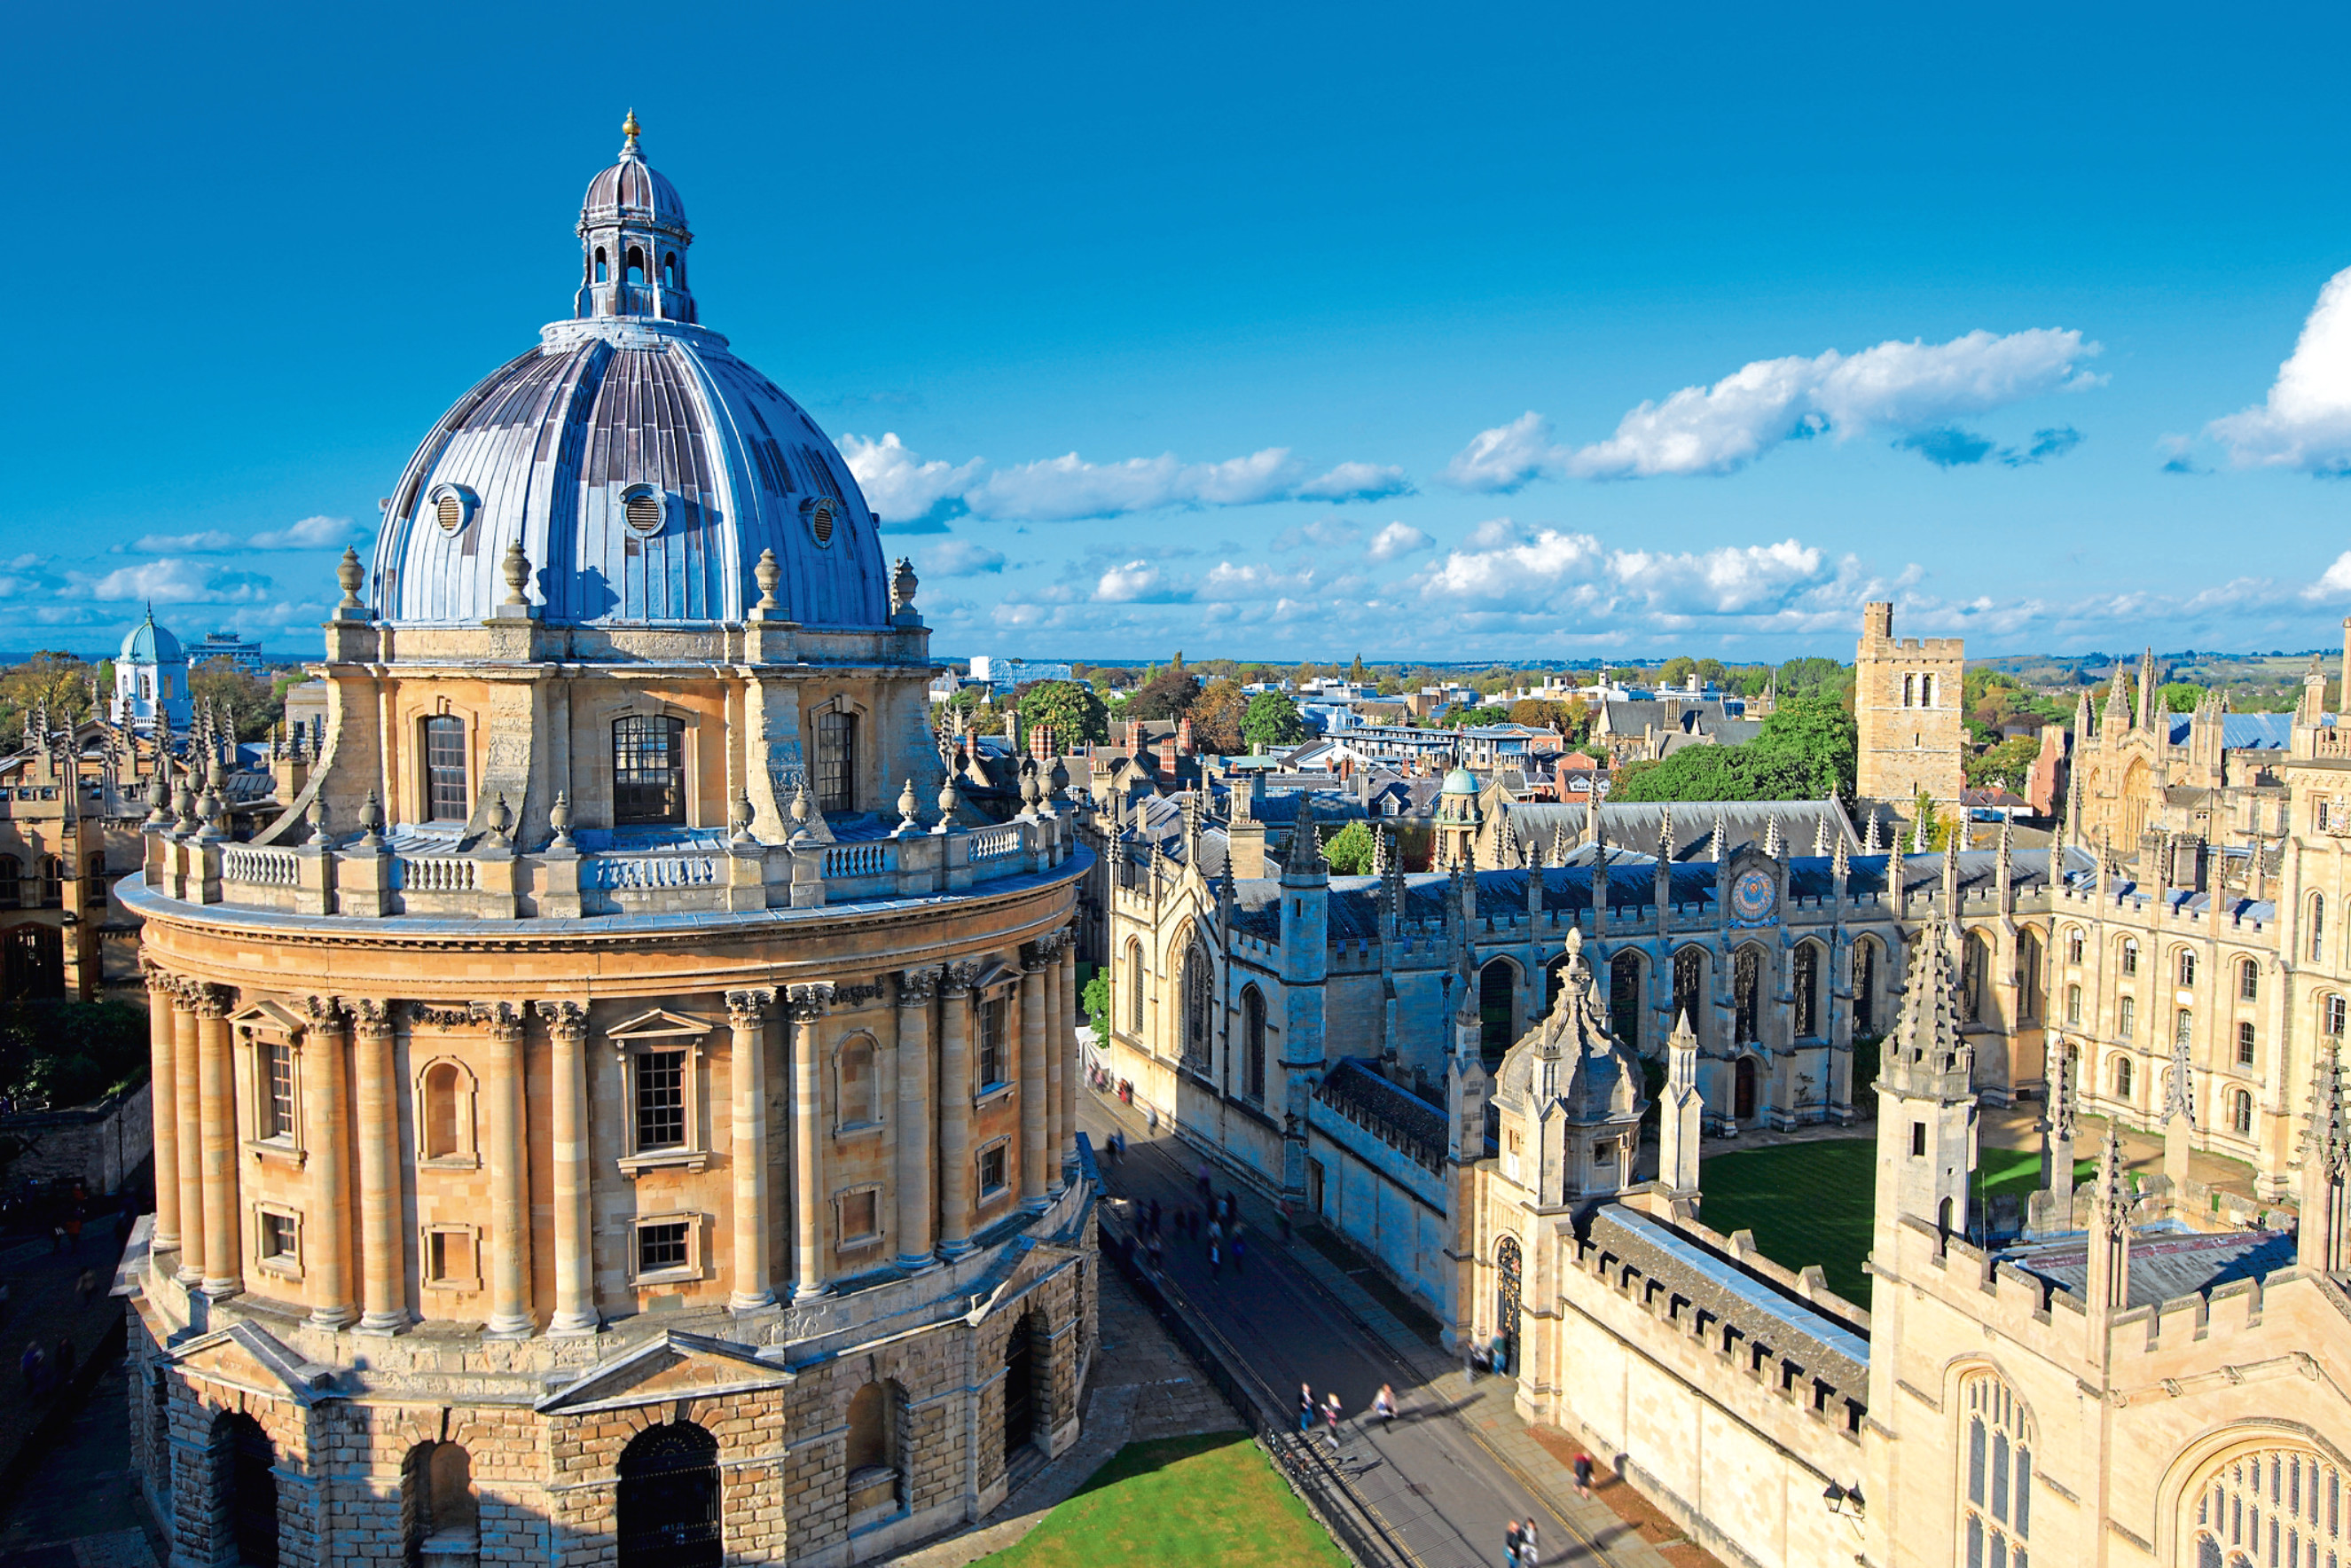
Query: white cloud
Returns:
{"type": "Point", "coordinates": [1721, 429]}
{"type": "Point", "coordinates": [2305, 423]}
{"type": "Point", "coordinates": [2334, 582]}
{"type": "Point", "coordinates": [960, 558]}
{"type": "Point", "coordinates": [1323, 533]}
{"type": "Point", "coordinates": [1396, 540]}
{"type": "Point", "coordinates": [1138, 583]}
{"type": "Point", "coordinates": [171, 581]}
{"type": "Point", "coordinates": [1356, 481]}
{"type": "Point", "coordinates": [312, 533]}
{"type": "Point", "coordinates": [900, 487]}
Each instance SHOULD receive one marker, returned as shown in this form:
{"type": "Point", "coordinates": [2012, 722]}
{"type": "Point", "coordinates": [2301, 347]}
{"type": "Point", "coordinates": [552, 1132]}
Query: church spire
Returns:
{"type": "Point", "coordinates": [2150, 702]}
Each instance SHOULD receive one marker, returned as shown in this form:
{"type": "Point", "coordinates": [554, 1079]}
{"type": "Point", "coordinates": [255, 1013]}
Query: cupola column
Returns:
{"type": "Point", "coordinates": [747, 1016]}
{"type": "Point", "coordinates": [165, 1107]}
{"type": "Point", "coordinates": [216, 1091]}
{"type": "Point", "coordinates": [1033, 1089]}
{"type": "Point", "coordinates": [567, 1099]}
{"type": "Point", "coordinates": [190, 1102]}
{"type": "Point", "coordinates": [1065, 1047]}
{"type": "Point", "coordinates": [955, 1109]}
{"type": "Point", "coordinates": [510, 1311]}
{"type": "Point", "coordinates": [915, 988]}
{"type": "Point", "coordinates": [383, 1269]}
{"type": "Point", "coordinates": [326, 1100]}
{"type": "Point", "coordinates": [807, 1010]}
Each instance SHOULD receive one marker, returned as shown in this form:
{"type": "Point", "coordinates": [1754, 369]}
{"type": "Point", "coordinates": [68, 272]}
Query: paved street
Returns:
{"type": "Point", "coordinates": [1456, 1466]}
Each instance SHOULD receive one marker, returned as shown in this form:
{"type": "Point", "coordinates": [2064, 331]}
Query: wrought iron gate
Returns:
{"type": "Point", "coordinates": [669, 1500]}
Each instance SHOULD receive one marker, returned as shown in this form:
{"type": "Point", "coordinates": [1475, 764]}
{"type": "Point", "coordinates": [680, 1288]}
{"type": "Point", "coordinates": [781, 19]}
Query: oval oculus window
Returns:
{"type": "Point", "coordinates": [453, 504]}
{"type": "Point", "coordinates": [822, 514]}
{"type": "Point", "coordinates": [642, 505]}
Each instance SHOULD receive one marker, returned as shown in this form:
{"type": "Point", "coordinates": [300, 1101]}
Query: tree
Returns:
{"type": "Point", "coordinates": [1355, 670]}
{"type": "Point", "coordinates": [1939, 831]}
{"type": "Point", "coordinates": [1216, 718]}
{"type": "Point", "coordinates": [244, 700]}
{"type": "Point", "coordinates": [1815, 738]}
{"type": "Point", "coordinates": [2005, 765]}
{"type": "Point", "coordinates": [1095, 999]}
{"type": "Point", "coordinates": [60, 680]}
{"type": "Point", "coordinates": [1390, 686]}
{"type": "Point", "coordinates": [2180, 696]}
{"type": "Point", "coordinates": [1071, 712]}
{"type": "Point", "coordinates": [1678, 671]}
{"type": "Point", "coordinates": [1569, 718]}
{"type": "Point", "coordinates": [1166, 694]}
{"type": "Point", "coordinates": [1350, 851]}
{"type": "Point", "coordinates": [1273, 719]}
{"type": "Point", "coordinates": [1804, 751]}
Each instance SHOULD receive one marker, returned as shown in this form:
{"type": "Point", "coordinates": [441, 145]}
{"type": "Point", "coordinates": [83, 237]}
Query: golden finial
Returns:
{"type": "Point", "coordinates": [629, 128]}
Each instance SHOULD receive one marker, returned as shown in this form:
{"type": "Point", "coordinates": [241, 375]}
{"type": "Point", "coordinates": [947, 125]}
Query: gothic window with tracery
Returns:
{"type": "Point", "coordinates": [1996, 1505]}
{"type": "Point", "coordinates": [1747, 994]}
{"type": "Point", "coordinates": [1194, 989]}
{"type": "Point", "coordinates": [1807, 987]}
{"type": "Point", "coordinates": [1689, 972]}
{"type": "Point", "coordinates": [2280, 1505]}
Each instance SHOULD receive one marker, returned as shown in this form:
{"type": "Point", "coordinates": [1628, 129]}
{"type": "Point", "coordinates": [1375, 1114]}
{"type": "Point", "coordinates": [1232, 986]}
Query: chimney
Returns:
{"type": "Point", "coordinates": [1184, 735]}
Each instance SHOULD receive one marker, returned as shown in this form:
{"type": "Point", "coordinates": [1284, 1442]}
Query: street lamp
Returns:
{"type": "Point", "coordinates": [1845, 1501]}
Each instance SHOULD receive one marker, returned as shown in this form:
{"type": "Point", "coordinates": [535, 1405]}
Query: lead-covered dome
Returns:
{"type": "Point", "coordinates": [642, 465]}
{"type": "Point", "coordinates": [149, 644]}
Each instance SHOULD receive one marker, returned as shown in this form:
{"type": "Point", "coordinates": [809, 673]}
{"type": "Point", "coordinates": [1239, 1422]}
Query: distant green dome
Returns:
{"type": "Point", "coordinates": [151, 645]}
{"type": "Point", "coordinates": [1460, 781]}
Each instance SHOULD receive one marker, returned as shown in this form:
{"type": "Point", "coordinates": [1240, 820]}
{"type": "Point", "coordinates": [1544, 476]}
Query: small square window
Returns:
{"type": "Point", "coordinates": [861, 1215]}
{"type": "Point", "coordinates": [991, 1169]}
{"type": "Point", "coordinates": [449, 1257]}
{"type": "Point", "coordinates": [2244, 1045]}
{"type": "Point", "coordinates": [280, 1238]}
{"type": "Point", "coordinates": [661, 1247]}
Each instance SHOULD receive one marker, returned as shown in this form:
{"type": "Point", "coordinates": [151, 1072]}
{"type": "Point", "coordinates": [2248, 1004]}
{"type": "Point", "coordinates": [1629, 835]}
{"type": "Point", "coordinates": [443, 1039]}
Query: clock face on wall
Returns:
{"type": "Point", "coordinates": [1751, 898]}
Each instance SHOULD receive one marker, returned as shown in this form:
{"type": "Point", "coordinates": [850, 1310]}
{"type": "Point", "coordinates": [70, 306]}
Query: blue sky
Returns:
{"type": "Point", "coordinates": [1537, 331]}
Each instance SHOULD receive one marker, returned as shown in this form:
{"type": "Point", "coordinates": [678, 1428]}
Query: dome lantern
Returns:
{"type": "Point", "coordinates": [633, 241]}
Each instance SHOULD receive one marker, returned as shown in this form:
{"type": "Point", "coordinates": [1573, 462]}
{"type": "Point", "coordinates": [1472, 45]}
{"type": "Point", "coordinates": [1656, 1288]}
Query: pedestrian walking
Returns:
{"type": "Point", "coordinates": [30, 1363]}
{"type": "Point", "coordinates": [73, 1232]}
{"type": "Point", "coordinates": [1216, 1262]}
{"type": "Point", "coordinates": [1155, 1251]}
{"type": "Point", "coordinates": [1383, 1404]}
{"type": "Point", "coordinates": [1216, 1231]}
{"type": "Point", "coordinates": [1232, 1206]}
{"type": "Point", "coordinates": [85, 1286]}
{"type": "Point", "coordinates": [1469, 1361]}
{"type": "Point", "coordinates": [62, 1370]}
{"type": "Point", "coordinates": [1510, 1539]}
{"type": "Point", "coordinates": [1331, 1420]}
{"type": "Point", "coordinates": [1202, 1177]}
{"type": "Point", "coordinates": [1237, 1253]}
{"type": "Point", "coordinates": [1305, 1402]}
{"type": "Point", "coordinates": [1529, 1554]}
{"type": "Point", "coordinates": [1583, 1475]}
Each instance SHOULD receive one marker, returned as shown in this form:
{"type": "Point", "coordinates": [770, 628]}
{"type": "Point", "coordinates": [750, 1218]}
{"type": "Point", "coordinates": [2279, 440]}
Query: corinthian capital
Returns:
{"type": "Point", "coordinates": [566, 1022]}
{"type": "Point", "coordinates": [807, 1003]}
{"type": "Point", "coordinates": [505, 1018]}
{"type": "Point", "coordinates": [957, 980]}
{"type": "Point", "coordinates": [159, 980]}
{"type": "Point", "coordinates": [747, 1009]}
{"type": "Point", "coordinates": [370, 1015]}
{"type": "Point", "coordinates": [212, 1001]}
{"type": "Point", "coordinates": [324, 1012]}
{"type": "Point", "coordinates": [916, 987]}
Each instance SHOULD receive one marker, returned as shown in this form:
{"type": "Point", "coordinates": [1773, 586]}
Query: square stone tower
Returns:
{"type": "Point", "coordinates": [1906, 705]}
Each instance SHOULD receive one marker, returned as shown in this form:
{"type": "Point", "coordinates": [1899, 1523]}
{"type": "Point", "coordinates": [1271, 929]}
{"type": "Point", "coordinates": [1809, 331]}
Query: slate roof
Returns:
{"type": "Point", "coordinates": [2241, 731]}
{"type": "Point", "coordinates": [1635, 825]}
{"type": "Point", "coordinates": [2164, 1266]}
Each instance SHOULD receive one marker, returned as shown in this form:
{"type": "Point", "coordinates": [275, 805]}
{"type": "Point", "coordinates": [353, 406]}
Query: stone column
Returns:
{"type": "Point", "coordinates": [915, 988]}
{"type": "Point", "coordinates": [1066, 1058]}
{"type": "Point", "coordinates": [189, 1107]}
{"type": "Point", "coordinates": [509, 1170]}
{"type": "Point", "coordinates": [955, 1109]}
{"type": "Point", "coordinates": [747, 1014]}
{"type": "Point", "coordinates": [1056, 1024]}
{"type": "Point", "coordinates": [575, 1243]}
{"type": "Point", "coordinates": [806, 1006]}
{"type": "Point", "coordinates": [163, 1106]}
{"type": "Point", "coordinates": [216, 1094]}
{"type": "Point", "coordinates": [383, 1254]}
{"type": "Point", "coordinates": [326, 1242]}
{"type": "Point", "coordinates": [1033, 1088]}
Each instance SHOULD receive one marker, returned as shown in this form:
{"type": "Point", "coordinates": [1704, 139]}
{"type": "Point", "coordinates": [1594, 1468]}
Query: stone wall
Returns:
{"type": "Point", "coordinates": [100, 1144]}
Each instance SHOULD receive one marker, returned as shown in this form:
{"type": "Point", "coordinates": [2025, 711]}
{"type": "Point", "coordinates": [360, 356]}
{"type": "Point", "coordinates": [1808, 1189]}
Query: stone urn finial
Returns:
{"type": "Point", "coordinates": [767, 574]}
{"type": "Point", "coordinates": [498, 820]}
{"type": "Point", "coordinates": [558, 817]}
{"type": "Point", "coordinates": [738, 819]}
{"type": "Point", "coordinates": [907, 806]}
{"type": "Point", "coordinates": [949, 798]}
{"type": "Point", "coordinates": [372, 817]}
{"type": "Point", "coordinates": [517, 567]}
{"type": "Point", "coordinates": [318, 819]}
{"type": "Point", "coordinates": [350, 574]}
{"type": "Point", "coordinates": [903, 584]}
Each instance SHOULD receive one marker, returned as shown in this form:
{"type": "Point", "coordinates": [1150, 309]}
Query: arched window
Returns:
{"type": "Point", "coordinates": [836, 761]}
{"type": "Point", "coordinates": [1497, 988]}
{"type": "Point", "coordinates": [53, 882]}
{"type": "Point", "coordinates": [2074, 1005]}
{"type": "Point", "coordinates": [1925, 691]}
{"type": "Point", "coordinates": [2122, 1078]}
{"type": "Point", "coordinates": [1134, 988]}
{"type": "Point", "coordinates": [1199, 1005]}
{"type": "Point", "coordinates": [1746, 995]}
{"type": "Point", "coordinates": [2130, 954]}
{"type": "Point", "coordinates": [1624, 997]}
{"type": "Point", "coordinates": [245, 1483]}
{"type": "Point", "coordinates": [10, 880]}
{"type": "Point", "coordinates": [1689, 988]}
{"type": "Point", "coordinates": [447, 797]}
{"type": "Point", "coordinates": [2245, 1043]}
{"type": "Point", "coordinates": [1806, 967]}
{"type": "Point", "coordinates": [2126, 1017]}
{"type": "Point", "coordinates": [2183, 1027]}
{"type": "Point", "coordinates": [602, 266]}
{"type": "Point", "coordinates": [668, 270]}
{"type": "Point", "coordinates": [2028, 975]}
{"type": "Point", "coordinates": [2186, 966]}
{"type": "Point", "coordinates": [1554, 982]}
{"type": "Point", "coordinates": [874, 1459]}
{"type": "Point", "coordinates": [856, 1096]}
{"type": "Point", "coordinates": [2248, 981]}
{"type": "Point", "coordinates": [1975, 960]}
{"type": "Point", "coordinates": [667, 1499]}
{"type": "Point", "coordinates": [635, 263]}
{"type": "Point", "coordinates": [2283, 1504]}
{"type": "Point", "coordinates": [2073, 945]}
{"type": "Point", "coordinates": [2330, 1016]}
{"type": "Point", "coordinates": [2240, 1112]}
{"type": "Point", "coordinates": [1909, 691]}
{"type": "Point", "coordinates": [1024, 1384]}
{"type": "Point", "coordinates": [1997, 1505]}
{"type": "Point", "coordinates": [648, 770]}
{"type": "Point", "coordinates": [439, 1515]}
{"type": "Point", "coordinates": [1865, 987]}
{"type": "Point", "coordinates": [444, 1121]}
{"type": "Point", "coordinates": [1253, 1042]}
{"type": "Point", "coordinates": [2317, 927]}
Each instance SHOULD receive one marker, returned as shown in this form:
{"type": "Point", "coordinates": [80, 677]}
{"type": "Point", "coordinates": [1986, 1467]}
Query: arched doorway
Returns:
{"type": "Point", "coordinates": [1625, 997]}
{"type": "Point", "coordinates": [438, 1514]}
{"type": "Point", "coordinates": [1746, 1084]}
{"type": "Point", "coordinates": [245, 1465]}
{"type": "Point", "coordinates": [668, 1501]}
{"type": "Point", "coordinates": [1020, 1390]}
{"type": "Point", "coordinates": [1497, 988]}
{"type": "Point", "coordinates": [1506, 1300]}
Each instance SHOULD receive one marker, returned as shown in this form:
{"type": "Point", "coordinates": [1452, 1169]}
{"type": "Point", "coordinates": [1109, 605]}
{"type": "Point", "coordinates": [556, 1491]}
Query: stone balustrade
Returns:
{"type": "Point", "coordinates": [487, 880]}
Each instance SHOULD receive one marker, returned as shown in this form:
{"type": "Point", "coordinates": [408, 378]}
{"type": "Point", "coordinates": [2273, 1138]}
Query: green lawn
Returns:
{"type": "Point", "coordinates": [1208, 1498]}
{"type": "Point", "coordinates": [1807, 1203]}
{"type": "Point", "coordinates": [1810, 1203]}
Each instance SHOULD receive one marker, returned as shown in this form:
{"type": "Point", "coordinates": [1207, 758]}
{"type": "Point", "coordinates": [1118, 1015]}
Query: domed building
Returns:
{"type": "Point", "coordinates": [151, 680]}
{"type": "Point", "coordinates": [622, 1111]}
